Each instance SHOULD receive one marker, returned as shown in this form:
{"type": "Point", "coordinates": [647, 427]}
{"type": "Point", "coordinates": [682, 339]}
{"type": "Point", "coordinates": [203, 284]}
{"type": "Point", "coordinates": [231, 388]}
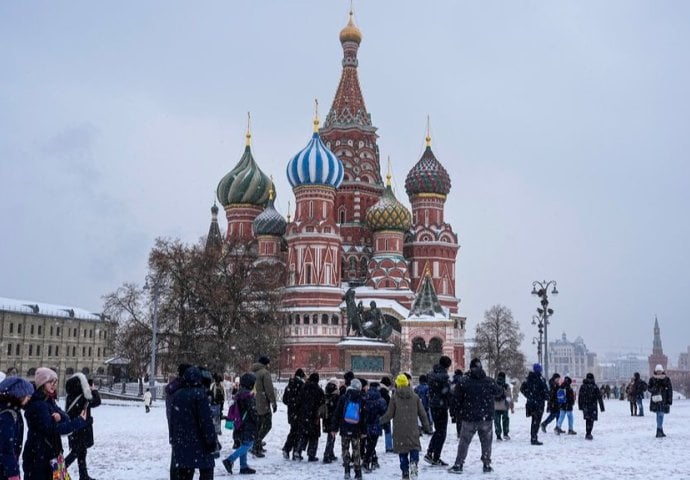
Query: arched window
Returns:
{"type": "Point", "coordinates": [324, 319]}
{"type": "Point", "coordinates": [435, 345]}
{"type": "Point", "coordinates": [69, 371]}
{"type": "Point", "coordinates": [418, 345]}
{"type": "Point", "coordinates": [334, 320]}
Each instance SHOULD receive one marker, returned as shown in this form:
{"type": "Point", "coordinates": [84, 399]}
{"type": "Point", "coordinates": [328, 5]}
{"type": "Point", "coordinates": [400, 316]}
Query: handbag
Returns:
{"type": "Point", "coordinates": [657, 398]}
{"type": "Point", "coordinates": [59, 468]}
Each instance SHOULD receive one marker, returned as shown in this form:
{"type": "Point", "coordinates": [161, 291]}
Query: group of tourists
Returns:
{"type": "Point", "coordinates": [42, 454]}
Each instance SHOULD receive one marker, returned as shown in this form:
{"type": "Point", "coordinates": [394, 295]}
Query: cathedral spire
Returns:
{"type": "Point", "coordinates": [428, 132]}
{"type": "Point", "coordinates": [657, 349]}
{"type": "Point", "coordinates": [248, 136]}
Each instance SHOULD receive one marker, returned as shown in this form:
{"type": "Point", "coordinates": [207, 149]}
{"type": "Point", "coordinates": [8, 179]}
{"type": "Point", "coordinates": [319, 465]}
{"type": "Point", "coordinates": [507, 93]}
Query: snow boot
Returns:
{"type": "Point", "coordinates": [658, 433]}
{"type": "Point", "coordinates": [662, 432]}
{"type": "Point", "coordinates": [414, 470]}
{"type": "Point", "coordinates": [498, 437]}
{"type": "Point", "coordinates": [457, 468]}
{"type": "Point", "coordinates": [347, 473]}
{"type": "Point", "coordinates": [558, 430]}
{"type": "Point", "coordinates": [247, 471]}
{"type": "Point", "coordinates": [572, 432]}
{"type": "Point", "coordinates": [487, 468]}
{"type": "Point", "coordinates": [534, 441]}
{"type": "Point", "coordinates": [358, 473]}
{"type": "Point", "coordinates": [506, 436]}
{"type": "Point", "coordinates": [543, 427]}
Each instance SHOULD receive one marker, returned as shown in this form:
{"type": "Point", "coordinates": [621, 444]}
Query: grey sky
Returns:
{"type": "Point", "coordinates": [564, 126]}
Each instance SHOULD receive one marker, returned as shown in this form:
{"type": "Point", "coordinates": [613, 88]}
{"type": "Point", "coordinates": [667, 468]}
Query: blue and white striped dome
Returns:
{"type": "Point", "coordinates": [315, 164]}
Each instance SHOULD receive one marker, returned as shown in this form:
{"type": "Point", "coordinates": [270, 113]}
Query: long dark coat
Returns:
{"type": "Point", "coordinates": [11, 439]}
{"type": "Point", "coordinates": [192, 433]}
{"type": "Point", "coordinates": [536, 392]}
{"type": "Point", "coordinates": [589, 398]}
{"type": "Point", "coordinates": [311, 397]}
{"type": "Point", "coordinates": [475, 394]}
{"type": "Point", "coordinates": [660, 384]}
{"type": "Point", "coordinates": [404, 409]}
{"type": "Point", "coordinates": [439, 387]}
{"type": "Point", "coordinates": [552, 404]}
{"type": "Point", "coordinates": [79, 395]}
{"type": "Point", "coordinates": [43, 442]}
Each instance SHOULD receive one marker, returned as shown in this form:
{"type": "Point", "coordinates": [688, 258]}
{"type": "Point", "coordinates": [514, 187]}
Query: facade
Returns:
{"type": "Point", "coordinates": [349, 231]}
{"type": "Point", "coordinates": [66, 339]}
{"type": "Point", "coordinates": [571, 358]}
{"type": "Point", "coordinates": [680, 377]}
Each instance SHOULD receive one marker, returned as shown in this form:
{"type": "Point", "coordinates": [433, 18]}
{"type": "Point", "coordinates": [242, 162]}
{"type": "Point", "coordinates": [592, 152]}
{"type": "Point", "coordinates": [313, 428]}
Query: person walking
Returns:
{"type": "Point", "coordinates": [566, 401]}
{"type": "Point", "coordinates": [15, 393]}
{"type": "Point", "coordinates": [552, 405]}
{"type": "Point", "coordinates": [590, 402]}
{"type": "Point", "coordinates": [422, 391]}
{"type": "Point", "coordinates": [81, 395]}
{"type": "Point", "coordinates": [536, 392]}
{"type": "Point", "coordinates": [405, 409]}
{"type": "Point", "coordinates": [502, 403]}
{"type": "Point", "coordinates": [349, 420]}
{"type": "Point", "coordinates": [375, 406]}
{"type": "Point", "coordinates": [46, 422]}
{"type": "Point", "coordinates": [147, 400]}
{"type": "Point", "coordinates": [248, 429]}
{"type": "Point", "coordinates": [332, 395]}
{"type": "Point", "coordinates": [662, 398]}
{"type": "Point", "coordinates": [386, 395]}
{"type": "Point", "coordinates": [639, 387]}
{"type": "Point", "coordinates": [266, 404]}
{"type": "Point", "coordinates": [454, 407]}
{"type": "Point", "coordinates": [311, 398]}
{"type": "Point", "coordinates": [630, 395]}
{"type": "Point", "coordinates": [475, 393]}
{"type": "Point", "coordinates": [192, 433]}
{"type": "Point", "coordinates": [291, 401]}
{"type": "Point", "coordinates": [439, 401]}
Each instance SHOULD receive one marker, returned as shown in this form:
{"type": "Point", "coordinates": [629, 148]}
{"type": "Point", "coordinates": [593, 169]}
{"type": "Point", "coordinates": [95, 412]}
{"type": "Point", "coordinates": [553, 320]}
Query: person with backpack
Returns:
{"type": "Point", "coordinates": [405, 410]}
{"type": "Point", "coordinates": [422, 391]}
{"type": "Point", "coordinates": [552, 406]}
{"type": "Point", "coordinates": [536, 392]}
{"type": "Point", "coordinates": [290, 398]}
{"type": "Point", "coordinates": [502, 403]}
{"type": "Point", "coordinates": [662, 398]}
{"type": "Point", "coordinates": [349, 419]}
{"type": "Point", "coordinates": [332, 395]}
{"type": "Point", "coordinates": [565, 395]}
{"type": "Point", "coordinates": [375, 406]}
{"type": "Point", "coordinates": [242, 414]}
{"type": "Point", "coordinates": [81, 395]}
{"type": "Point", "coordinates": [639, 387]}
{"type": "Point", "coordinates": [439, 402]}
{"type": "Point", "coordinates": [386, 395]}
{"type": "Point", "coordinates": [589, 399]}
{"type": "Point", "coordinates": [311, 398]}
{"type": "Point", "coordinates": [15, 393]}
{"type": "Point", "coordinates": [630, 395]}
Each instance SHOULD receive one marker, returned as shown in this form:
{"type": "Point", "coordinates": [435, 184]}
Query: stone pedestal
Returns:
{"type": "Point", "coordinates": [366, 357]}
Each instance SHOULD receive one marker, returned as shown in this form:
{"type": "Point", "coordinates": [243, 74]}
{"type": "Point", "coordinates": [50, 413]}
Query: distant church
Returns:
{"type": "Point", "coordinates": [350, 231]}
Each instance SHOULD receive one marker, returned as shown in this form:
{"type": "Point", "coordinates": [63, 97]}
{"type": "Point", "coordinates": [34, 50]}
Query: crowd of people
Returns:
{"type": "Point", "coordinates": [357, 410]}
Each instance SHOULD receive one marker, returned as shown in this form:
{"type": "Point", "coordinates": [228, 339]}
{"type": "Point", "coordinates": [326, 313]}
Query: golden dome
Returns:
{"type": "Point", "coordinates": [350, 33]}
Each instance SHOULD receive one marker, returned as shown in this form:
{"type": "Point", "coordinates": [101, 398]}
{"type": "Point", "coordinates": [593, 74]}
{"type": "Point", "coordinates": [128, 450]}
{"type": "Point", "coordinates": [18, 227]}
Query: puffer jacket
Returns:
{"type": "Point", "coordinates": [80, 396]}
{"type": "Point", "coordinates": [475, 394]}
{"type": "Point", "coordinates": [660, 385]}
{"type": "Point", "coordinates": [11, 439]}
{"type": "Point", "coordinates": [405, 409]}
{"type": "Point", "coordinates": [439, 387]}
{"type": "Point", "coordinates": [536, 392]}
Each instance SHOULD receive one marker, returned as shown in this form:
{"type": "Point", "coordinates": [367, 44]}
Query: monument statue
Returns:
{"type": "Point", "coordinates": [370, 324]}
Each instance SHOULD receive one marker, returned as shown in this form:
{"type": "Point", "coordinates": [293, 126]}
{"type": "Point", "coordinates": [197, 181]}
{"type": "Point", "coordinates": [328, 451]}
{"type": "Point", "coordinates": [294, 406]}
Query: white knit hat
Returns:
{"type": "Point", "coordinates": [44, 375]}
{"type": "Point", "coordinates": [658, 368]}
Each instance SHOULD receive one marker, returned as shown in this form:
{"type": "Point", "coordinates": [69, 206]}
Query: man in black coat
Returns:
{"type": "Point", "coordinates": [439, 401]}
{"type": "Point", "coordinates": [310, 400]}
{"type": "Point", "coordinates": [81, 395]}
{"type": "Point", "coordinates": [475, 393]}
{"type": "Point", "coordinates": [536, 392]}
{"type": "Point", "coordinates": [291, 400]}
{"type": "Point", "coordinates": [639, 387]}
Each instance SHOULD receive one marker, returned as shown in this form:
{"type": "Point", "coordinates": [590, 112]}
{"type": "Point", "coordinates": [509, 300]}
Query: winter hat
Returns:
{"type": "Point", "coordinates": [300, 373]}
{"type": "Point", "coordinates": [445, 361]}
{"type": "Point", "coordinates": [181, 368]}
{"type": "Point", "coordinates": [501, 375]}
{"type": "Point", "coordinates": [363, 382]}
{"type": "Point", "coordinates": [348, 377]}
{"type": "Point", "coordinates": [590, 376]}
{"type": "Point", "coordinates": [374, 385]}
{"type": "Point", "coordinates": [475, 363]}
{"type": "Point", "coordinates": [248, 380]}
{"type": "Point", "coordinates": [16, 387]}
{"type": "Point", "coordinates": [355, 385]}
{"type": "Point", "coordinates": [422, 379]}
{"type": "Point", "coordinates": [386, 381]}
{"type": "Point", "coordinates": [331, 387]}
{"type": "Point", "coordinates": [44, 375]}
{"type": "Point", "coordinates": [536, 368]}
{"type": "Point", "coordinates": [264, 360]}
{"type": "Point", "coordinates": [334, 381]}
{"type": "Point", "coordinates": [314, 377]}
{"type": "Point", "coordinates": [568, 380]}
{"type": "Point", "coordinates": [402, 381]}
{"type": "Point", "coordinates": [658, 368]}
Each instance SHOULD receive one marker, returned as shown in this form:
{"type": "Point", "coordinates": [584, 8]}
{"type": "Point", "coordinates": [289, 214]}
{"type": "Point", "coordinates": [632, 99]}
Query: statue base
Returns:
{"type": "Point", "coordinates": [365, 357]}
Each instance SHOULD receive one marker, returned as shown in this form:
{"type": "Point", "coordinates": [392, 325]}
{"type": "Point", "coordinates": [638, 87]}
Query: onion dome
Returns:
{"type": "Point", "coordinates": [315, 164]}
{"type": "Point", "coordinates": [246, 183]}
{"type": "Point", "coordinates": [388, 213]}
{"type": "Point", "coordinates": [428, 175]}
{"type": "Point", "coordinates": [350, 33]}
{"type": "Point", "coordinates": [270, 222]}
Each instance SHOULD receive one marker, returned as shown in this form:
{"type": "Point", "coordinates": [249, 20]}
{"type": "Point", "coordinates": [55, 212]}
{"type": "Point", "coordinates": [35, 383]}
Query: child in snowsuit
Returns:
{"type": "Point", "coordinates": [375, 407]}
{"type": "Point", "coordinates": [349, 419]}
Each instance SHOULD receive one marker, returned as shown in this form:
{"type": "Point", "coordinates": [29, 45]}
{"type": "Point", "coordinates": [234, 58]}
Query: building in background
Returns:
{"type": "Point", "coordinates": [65, 339]}
{"type": "Point", "coordinates": [572, 358]}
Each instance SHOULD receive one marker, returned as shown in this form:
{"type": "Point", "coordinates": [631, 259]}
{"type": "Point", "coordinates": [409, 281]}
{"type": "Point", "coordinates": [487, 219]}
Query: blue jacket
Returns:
{"type": "Point", "coordinates": [11, 440]}
{"type": "Point", "coordinates": [422, 391]}
{"type": "Point", "coordinates": [43, 442]}
{"type": "Point", "coordinates": [192, 433]}
{"type": "Point", "coordinates": [375, 407]}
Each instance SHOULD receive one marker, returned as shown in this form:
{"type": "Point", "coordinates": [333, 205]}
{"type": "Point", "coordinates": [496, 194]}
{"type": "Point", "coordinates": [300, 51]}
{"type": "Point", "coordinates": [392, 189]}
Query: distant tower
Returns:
{"type": "Point", "coordinates": [214, 240]}
{"type": "Point", "coordinates": [269, 228]}
{"type": "Point", "coordinates": [348, 132]}
{"type": "Point", "coordinates": [657, 357]}
{"type": "Point", "coordinates": [243, 192]}
{"type": "Point", "coordinates": [431, 242]}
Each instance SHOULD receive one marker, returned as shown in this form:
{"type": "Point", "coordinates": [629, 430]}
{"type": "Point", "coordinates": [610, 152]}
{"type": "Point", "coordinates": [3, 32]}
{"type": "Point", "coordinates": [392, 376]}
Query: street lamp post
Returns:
{"type": "Point", "coordinates": [154, 340]}
{"type": "Point", "coordinates": [536, 320]}
{"type": "Point", "coordinates": [540, 289]}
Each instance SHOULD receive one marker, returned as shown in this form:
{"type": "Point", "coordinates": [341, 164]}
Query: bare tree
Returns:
{"type": "Point", "coordinates": [498, 340]}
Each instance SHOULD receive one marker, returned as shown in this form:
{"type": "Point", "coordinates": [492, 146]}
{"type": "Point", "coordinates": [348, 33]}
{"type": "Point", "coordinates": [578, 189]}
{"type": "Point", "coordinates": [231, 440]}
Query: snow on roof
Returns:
{"type": "Point", "coordinates": [363, 342]}
{"type": "Point", "coordinates": [39, 308]}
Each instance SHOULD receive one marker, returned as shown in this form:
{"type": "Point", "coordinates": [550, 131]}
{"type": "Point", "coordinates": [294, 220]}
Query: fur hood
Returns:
{"type": "Point", "coordinates": [78, 385]}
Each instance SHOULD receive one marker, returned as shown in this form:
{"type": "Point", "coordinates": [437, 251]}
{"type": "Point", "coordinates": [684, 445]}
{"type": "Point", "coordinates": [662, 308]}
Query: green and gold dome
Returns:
{"type": "Point", "coordinates": [245, 184]}
{"type": "Point", "coordinates": [388, 213]}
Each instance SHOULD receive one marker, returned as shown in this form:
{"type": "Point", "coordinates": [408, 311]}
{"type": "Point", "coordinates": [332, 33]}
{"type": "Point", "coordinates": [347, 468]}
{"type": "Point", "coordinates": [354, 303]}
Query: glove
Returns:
{"type": "Point", "coordinates": [275, 407]}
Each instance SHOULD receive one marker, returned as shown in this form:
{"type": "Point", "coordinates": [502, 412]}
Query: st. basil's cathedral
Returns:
{"type": "Point", "coordinates": [350, 233]}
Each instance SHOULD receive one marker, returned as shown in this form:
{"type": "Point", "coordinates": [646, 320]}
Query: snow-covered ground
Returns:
{"type": "Point", "coordinates": [131, 444]}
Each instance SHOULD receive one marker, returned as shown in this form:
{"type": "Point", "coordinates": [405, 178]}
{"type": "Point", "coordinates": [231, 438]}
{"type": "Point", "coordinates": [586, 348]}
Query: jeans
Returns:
{"type": "Point", "coordinates": [659, 420]}
{"type": "Point", "coordinates": [241, 453]}
{"type": "Point", "coordinates": [483, 428]}
{"type": "Point", "coordinates": [501, 422]}
{"type": "Point", "coordinates": [561, 417]}
{"type": "Point", "coordinates": [406, 458]}
{"type": "Point", "coordinates": [553, 415]}
{"type": "Point", "coordinates": [640, 407]}
{"type": "Point", "coordinates": [387, 436]}
{"type": "Point", "coordinates": [440, 416]}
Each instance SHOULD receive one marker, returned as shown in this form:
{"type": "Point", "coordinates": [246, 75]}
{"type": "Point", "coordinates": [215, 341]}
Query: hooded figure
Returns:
{"type": "Point", "coordinates": [15, 392]}
{"type": "Point", "coordinates": [80, 397]}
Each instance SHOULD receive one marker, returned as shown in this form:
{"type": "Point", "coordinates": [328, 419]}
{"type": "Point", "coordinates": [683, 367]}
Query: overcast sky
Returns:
{"type": "Point", "coordinates": [565, 127]}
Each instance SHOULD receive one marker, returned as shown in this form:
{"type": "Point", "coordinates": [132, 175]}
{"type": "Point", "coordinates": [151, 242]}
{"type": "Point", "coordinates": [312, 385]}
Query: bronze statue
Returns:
{"type": "Point", "coordinates": [370, 324]}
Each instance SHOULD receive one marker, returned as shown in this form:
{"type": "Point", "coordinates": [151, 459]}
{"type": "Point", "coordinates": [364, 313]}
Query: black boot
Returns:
{"type": "Point", "coordinates": [358, 473]}
{"type": "Point", "coordinates": [347, 472]}
{"type": "Point", "coordinates": [658, 433]}
{"type": "Point", "coordinates": [662, 432]}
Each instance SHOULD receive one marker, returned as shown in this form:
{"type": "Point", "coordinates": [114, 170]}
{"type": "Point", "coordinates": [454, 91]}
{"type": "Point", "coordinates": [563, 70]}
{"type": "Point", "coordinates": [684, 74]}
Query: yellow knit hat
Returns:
{"type": "Point", "coordinates": [402, 381]}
